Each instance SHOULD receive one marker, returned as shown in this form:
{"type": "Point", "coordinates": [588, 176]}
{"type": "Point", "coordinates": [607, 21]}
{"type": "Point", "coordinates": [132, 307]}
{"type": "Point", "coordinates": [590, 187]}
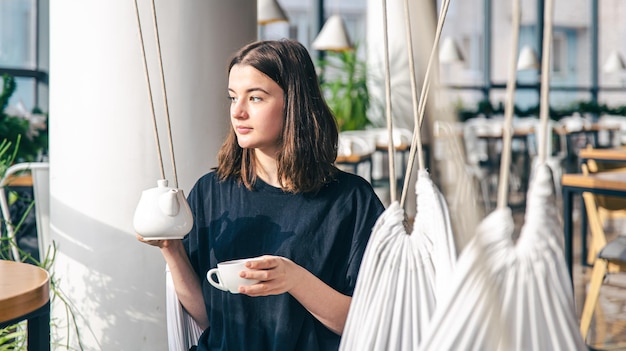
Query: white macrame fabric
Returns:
{"type": "Point", "coordinates": [511, 296]}
{"type": "Point", "coordinates": [182, 330]}
{"type": "Point", "coordinates": [432, 221]}
{"type": "Point", "coordinates": [395, 294]}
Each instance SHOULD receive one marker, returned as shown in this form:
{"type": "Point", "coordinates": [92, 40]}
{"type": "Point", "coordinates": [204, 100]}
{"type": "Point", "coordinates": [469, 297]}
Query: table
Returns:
{"type": "Point", "coordinates": [605, 155]}
{"type": "Point", "coordinates": [25, 295]}
{"type": "Point", "coordinates": [353, 161]}
{"type": "Point", "coordinates": [603, 183]}
{"type": "Point", "coordinates": [520, 160]}
{"type": "Point", "coordinates": [402, 149]}
{"type": "Point", "coordinates": [577, 140]}
{"type": "Point", "coordinates": [20, 180]}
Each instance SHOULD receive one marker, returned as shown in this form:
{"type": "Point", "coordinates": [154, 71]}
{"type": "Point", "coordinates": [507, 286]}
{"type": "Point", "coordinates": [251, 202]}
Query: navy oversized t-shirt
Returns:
{"type": "Point", "coordinates": [326, 233]}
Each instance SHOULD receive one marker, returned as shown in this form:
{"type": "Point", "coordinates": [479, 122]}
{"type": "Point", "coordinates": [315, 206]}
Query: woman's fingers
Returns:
{"type": "Point", "coordinates": [274, 273]}
{"type": "Point", "coordinates": [157, 243]}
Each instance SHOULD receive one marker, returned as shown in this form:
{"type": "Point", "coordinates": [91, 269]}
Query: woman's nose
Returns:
{"type": "Point", "coordinates": [237, 110]}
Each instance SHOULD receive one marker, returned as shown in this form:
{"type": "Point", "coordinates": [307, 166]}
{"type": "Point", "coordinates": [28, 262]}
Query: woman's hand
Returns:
{"type": "Point", "coordinates": [277, 275]}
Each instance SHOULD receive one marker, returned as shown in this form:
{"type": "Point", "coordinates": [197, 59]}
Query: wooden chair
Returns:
{"type": "Point", "coordinates": [609, 208]}
{"type": "Point", "coordinates": [611, 258]}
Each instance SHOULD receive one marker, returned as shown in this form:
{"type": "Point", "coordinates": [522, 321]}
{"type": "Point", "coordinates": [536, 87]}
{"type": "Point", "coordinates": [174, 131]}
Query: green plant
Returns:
{"type": "Point", "coordinates": [31, 127]}
{"type": "Point", "coordinates": [13, 337]}
{"type": "Point", "coordinates": [485, 107]}
{"type": "Point", "coordinates": [344, 84]}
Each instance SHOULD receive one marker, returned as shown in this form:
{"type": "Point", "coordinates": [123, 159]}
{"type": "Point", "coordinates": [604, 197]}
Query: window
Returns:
{"type": "Point", "coordinates": [22, 36]}
{"type": "Point", "coordinates": [559, 53]}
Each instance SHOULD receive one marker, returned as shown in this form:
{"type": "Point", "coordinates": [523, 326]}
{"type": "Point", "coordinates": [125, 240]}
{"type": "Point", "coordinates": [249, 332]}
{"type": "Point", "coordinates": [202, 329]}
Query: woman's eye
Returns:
{"type": "Point", "coordinates": [255, 99]}
{"type": "Point", "coordinates": [232, 99]}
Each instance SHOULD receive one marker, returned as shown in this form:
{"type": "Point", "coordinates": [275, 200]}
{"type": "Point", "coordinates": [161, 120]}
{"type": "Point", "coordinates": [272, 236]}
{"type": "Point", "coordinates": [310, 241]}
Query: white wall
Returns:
{"type": "Point", "coordinates": [102, 149]}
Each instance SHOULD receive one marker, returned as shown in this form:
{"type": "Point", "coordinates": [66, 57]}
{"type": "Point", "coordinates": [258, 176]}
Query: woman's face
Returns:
{"type": "Point", "coordinates": [256, 109]}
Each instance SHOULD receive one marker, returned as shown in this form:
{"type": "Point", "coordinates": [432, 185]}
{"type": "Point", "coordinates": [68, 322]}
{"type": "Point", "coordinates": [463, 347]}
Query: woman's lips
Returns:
{"type": "Point", "coordinates": [243, 130]}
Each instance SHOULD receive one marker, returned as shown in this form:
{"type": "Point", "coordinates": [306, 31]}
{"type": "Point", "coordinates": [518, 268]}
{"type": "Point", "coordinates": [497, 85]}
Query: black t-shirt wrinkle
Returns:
{"type": "Point", "coordinates": [325, 233]}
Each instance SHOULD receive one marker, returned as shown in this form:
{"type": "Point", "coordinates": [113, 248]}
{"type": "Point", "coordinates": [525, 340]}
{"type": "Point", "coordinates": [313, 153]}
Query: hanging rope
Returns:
{"type": "Point", "coordinates": [416, 142]}
{"type": "Point", "coordinates": [163, 89]}
{"type": "Point", "coordinates": [391, 149]}
{"type": "Point", "coordinates": [507, 128]}
{"type": "Point", "coordinates": [544, 105]}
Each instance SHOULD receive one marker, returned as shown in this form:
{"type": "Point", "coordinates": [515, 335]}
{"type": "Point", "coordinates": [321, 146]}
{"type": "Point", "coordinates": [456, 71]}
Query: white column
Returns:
{"type": "Point", "coordinates": [102, 148]}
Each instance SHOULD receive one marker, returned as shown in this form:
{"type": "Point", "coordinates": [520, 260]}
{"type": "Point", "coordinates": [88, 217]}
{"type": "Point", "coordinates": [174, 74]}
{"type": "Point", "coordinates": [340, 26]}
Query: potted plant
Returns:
{"type": "Point", "coordinates": [343, 82]}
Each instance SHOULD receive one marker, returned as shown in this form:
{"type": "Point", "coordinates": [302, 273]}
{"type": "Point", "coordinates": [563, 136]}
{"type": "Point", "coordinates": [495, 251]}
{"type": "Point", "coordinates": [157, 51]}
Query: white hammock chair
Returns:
{"type": "Point", "coordinates": [507, 295]}
{"type": "Point", "coordinates": [401, 274]}
{"type": "Point", "coordinates": [504, 295]}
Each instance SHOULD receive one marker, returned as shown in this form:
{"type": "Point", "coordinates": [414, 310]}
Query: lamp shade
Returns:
{"type": "Point", "coordinates": [449, 51]}
{"type": "Point", "coordinates": [615, 63]}
{"type": "Point", "coordinates": [333, 36]}
{"type": "Point", "coordinates": [527, 59]}
{"type": "Point", "coordinates": [269, 11]}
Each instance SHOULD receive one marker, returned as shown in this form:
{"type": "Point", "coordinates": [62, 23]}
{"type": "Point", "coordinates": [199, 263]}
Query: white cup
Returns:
{"type": "Point", "coordinates": [227, 274]}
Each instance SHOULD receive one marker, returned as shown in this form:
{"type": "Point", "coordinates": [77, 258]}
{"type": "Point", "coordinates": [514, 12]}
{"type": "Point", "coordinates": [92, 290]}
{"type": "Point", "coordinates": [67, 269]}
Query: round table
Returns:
{"type": "Point", "coordinates": [25, 295]}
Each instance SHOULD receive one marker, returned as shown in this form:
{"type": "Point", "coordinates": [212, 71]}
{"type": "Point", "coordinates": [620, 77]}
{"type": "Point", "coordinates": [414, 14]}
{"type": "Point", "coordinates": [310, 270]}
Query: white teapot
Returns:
{"type": "Point", "coordinates": [162, 213]}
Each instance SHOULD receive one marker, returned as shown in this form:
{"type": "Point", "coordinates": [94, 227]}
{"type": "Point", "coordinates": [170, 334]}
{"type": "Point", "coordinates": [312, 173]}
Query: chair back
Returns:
{"type": "Point", "coordinates": [41, 195]}
{"type": "Point", "coordinates": [609, 203]}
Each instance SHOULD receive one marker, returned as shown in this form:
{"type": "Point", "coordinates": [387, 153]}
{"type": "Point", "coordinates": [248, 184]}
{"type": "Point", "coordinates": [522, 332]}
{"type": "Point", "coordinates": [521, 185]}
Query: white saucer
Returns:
{"type": "Point", "coordinates": [163, 238]}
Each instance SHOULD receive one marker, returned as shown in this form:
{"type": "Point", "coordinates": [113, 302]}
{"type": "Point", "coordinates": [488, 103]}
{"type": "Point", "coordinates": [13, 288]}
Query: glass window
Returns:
{"type": "Point", "coordinates": [24, 92]}
{"type": "Point", "coordinates": [23, 32]}
{"type": "Point", "coordinates": [18, 37]}
{"type": "Point", "coordinates": [559, 53]}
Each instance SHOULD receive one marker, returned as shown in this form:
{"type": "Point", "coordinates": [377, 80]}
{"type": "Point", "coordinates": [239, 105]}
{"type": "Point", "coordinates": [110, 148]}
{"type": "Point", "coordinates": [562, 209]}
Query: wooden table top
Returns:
{"type": "Point", "coordinates": [23, 289]}
{"type": "Point", "coordinates": [602, 180]}
{"type": "Point", "coordinates": [353, 158]}
{"type": "Point", "coordinates": [595, 127]}
{"type": "Point", "coordinates": [618, 154]}
{"type": "Point", "coordinates": [398, 147]}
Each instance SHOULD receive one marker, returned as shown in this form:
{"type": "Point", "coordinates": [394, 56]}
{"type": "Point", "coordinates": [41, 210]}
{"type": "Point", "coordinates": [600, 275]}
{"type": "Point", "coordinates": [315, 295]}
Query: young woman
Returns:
{"type": "Point", "coordinates": [275, 194]}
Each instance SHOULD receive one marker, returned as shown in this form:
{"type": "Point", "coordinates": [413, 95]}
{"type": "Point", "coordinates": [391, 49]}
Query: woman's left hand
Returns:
{"type": "Point", "coordinates": [277, 275]}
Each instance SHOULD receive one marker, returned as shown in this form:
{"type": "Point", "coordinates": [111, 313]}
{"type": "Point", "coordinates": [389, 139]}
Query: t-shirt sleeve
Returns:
{"type": "Point", "coordinates": [366, 214]}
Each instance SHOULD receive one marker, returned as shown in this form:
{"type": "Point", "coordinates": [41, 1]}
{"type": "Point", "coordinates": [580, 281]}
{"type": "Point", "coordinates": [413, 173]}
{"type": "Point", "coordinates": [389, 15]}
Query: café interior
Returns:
{"type": "Point", "coordinates": [469, 97]}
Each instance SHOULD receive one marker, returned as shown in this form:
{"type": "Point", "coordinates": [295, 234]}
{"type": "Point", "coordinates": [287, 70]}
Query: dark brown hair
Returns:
{"type": "Point", "coordinates": [309, 138]}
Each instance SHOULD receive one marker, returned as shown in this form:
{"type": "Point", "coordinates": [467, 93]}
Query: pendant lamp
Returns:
{"type": "Point", "coordinates": [450, 52]}
{"type": "Point", "coordinates": [270, 11]}
{"type": "Point", "coordinates": [615, 63]}
{"type": "Point", "coordinates": [527, 59]}
{"type": "Point", "coordinates": [333, 36]}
